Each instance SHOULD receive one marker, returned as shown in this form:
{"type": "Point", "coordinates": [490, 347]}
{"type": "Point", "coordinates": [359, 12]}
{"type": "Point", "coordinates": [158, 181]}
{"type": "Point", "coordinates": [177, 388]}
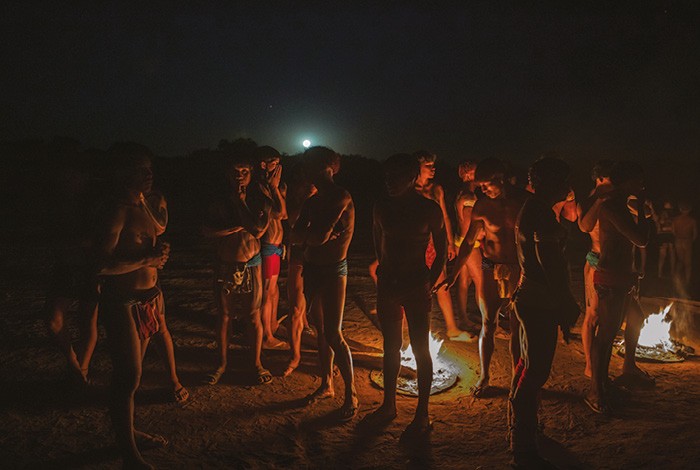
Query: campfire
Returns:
{"type": "Point", "coordinates": [655, 342]}
{"type": "Point", "coordinates": [444, 373]}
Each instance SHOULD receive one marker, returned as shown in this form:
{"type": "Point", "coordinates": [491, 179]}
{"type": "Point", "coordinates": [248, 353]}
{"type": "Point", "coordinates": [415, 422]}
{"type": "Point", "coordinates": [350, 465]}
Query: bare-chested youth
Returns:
{"type": "Point", "coordinates": [404, 223]}
{"type": "Point", "coordinates": [325, 228]}
{"type": "Point", "coordinates": [271, 248]}
{"type": "Point", "coordinates": [426, 187]}
{"type": "Point", "coordinates": [615, 280]}
{"type": "Point", "coordinates": [464, 204]}
{"type": "Point", "coordinates": [236, 223]}
{"type": "Point", "coordinates": [494, 216]}
{"type": "Point", "coordinates": [131, 303]}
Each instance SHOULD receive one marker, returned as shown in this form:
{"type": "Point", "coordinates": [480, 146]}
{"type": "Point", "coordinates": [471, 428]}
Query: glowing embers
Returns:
{"type": "Point", "coordinates": [655, 342]}
{"type": "Point", "coordinates": [444, 372]}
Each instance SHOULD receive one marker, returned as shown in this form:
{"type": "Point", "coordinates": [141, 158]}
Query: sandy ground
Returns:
{"type": "Point", "coordinates": [45, 424]}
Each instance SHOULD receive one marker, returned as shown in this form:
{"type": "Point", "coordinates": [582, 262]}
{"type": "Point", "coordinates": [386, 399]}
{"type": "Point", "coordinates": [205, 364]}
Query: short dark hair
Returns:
{"type": "Point", "coordinates": [548, 170]}
{"type": "Point", "coordinates": [401, 163]}
{"type": "Point", "coordinates": [318, 158]}
{"type": "Point", "coordinates": [488, 169]}
{"type": "Point", "coordinates": [424, 156]}
{"type": "Point", "coordinates": [624, 171]}
{"type": "Point", "coordinates": [601, 169]}
{"type": "Point", "coordinates": [266, 153]}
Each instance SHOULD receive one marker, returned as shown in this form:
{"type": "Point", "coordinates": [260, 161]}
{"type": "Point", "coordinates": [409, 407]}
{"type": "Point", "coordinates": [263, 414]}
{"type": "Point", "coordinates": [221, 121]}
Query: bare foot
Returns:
{"type": "Point", "coordinates": [349, 409]}
{"type": "Point", "coordinates": [480, 387]}
{"type": "Point", "coordinates": [381, 416]}
{"type": "Point", "coordinates": [149, 441]}
{"type": "Point", "coordinates": [275, 343]}
{"type": "Point", "coordinates": [418, 429]}
{"type": "Point", "coordinates": [322, 393]}
{"type": "Point", "coordinates": [461, 336]}
{"type": "Point", "coordinates": [291, 367]}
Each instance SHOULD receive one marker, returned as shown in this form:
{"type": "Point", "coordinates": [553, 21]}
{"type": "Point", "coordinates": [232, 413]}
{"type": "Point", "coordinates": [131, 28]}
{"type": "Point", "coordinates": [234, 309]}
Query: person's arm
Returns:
{"type": "Point", "coordinates": [111, 263]}
{"type": "Point", "coordinates": [212, 228]}
{"type": "Point", "coordinates": [588, 213]}
{"type": "Point", "coordinates": [637, 233]}
{"type": "Point", "coordinates": [377, 232]}
{"type": "Point", "coordinates": [320, 232]}
{"type": "Point", "coordinates": [278, 194]}
{"type": "Point", "coordinates": [298, 233]}
{"type": "Point", "coordinates": [440, 195]}
{"type": "Point", "coordinates": [438, 232]}
{"type": "Point", "coordinates": [475, 228]}
{"type": "Point", "coordinates": [254, 214]}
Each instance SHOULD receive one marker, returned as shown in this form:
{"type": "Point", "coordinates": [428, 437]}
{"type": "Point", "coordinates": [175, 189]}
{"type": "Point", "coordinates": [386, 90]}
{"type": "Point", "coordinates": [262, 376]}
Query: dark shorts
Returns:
{"type": "Point", "coordinates": [402, 291]}
{"type": "Point", "coordinates": [318, 276]}
{"type": "Point", "coordinates": [238, 286]}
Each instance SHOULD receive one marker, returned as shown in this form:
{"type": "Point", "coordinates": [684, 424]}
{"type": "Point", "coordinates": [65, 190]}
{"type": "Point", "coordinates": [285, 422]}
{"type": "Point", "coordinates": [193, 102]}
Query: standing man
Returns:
{"type": "Point", "coordinates": [129, 256]}
{"type": "Point", "coordinates": [495, 216]}
{"type": "Point", "coordinates": [464, 204]}
{"type": "Point", "coordinates": [542, 303]}
{"type": "Point", "coordinates": [426, 187]}
{"type": "Point", "coordinates": [615, 280]}
{"type": "Point", "coordinates": [404, 223]}
{"type": "Point", "coordinates": [237, 222]}
{"type": "Point", "coordinates": [325, 228]}
{"type": "Point", "coordinates": [685, 232]}
{"type": "Point", "coordinates": [271, 247]}
{"type": "Point", "coordinates": [299, 191]}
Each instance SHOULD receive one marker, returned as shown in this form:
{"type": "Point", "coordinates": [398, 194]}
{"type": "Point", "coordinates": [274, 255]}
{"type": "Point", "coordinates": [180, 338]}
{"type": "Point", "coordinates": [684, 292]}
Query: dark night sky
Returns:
{"type": "Point", "coordinates": [512, 81]}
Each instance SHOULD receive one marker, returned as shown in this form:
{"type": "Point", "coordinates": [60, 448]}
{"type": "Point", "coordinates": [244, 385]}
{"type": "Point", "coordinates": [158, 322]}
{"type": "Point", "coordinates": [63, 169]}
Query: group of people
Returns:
{"type": "Point", "coordinates": [508, 242]}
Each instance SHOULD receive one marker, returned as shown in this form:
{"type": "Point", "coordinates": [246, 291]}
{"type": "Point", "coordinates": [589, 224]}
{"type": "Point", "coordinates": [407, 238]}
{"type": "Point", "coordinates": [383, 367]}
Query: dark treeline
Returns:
{"type": "Point", "coordinates": [33, 173]}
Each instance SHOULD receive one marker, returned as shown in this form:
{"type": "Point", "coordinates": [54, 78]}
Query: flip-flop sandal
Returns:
{"type": "Point", "coordinates": [597, 406]}
{"type": "Point", "coordinates": [264, 377]}
{"type": "Point", "coordinates": [479, 391]}
{"type": "Point", "coordinates": [632, 379]}
{"type": "Point", "coordinates": [463, 337]}
{"type": "Point", "coordinates": [150, 441]}
{"type": "Point", "coordinates": [347, 414]}
{"type": "Point", "coordinates": [180, 395]}
{"type": "Point", "coordinates": [213, 378]}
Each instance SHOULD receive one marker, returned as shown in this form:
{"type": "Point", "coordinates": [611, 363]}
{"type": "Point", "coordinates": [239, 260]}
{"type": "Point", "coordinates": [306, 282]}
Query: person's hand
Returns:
{"type": "Point", "coordinates": [446, 284]}
{"type": "Point", "coordinates": [274, 178]}
{"type": "Point", "coordinates": [161, 255]}
{"type": "Point", "coordinates": [241, 193]}
{"type": "Point", "coordinates": [451, 252]}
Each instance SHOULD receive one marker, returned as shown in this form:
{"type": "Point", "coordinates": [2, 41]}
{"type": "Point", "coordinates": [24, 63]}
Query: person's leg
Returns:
{"type": "Point", "coordinates": [87, 325]}
{"type": "Point", "coordinates": [610, 313]}
{"type": "Point", "coordinates": [489, 304]}
{"type": "Point", "coordinates": [390, 317]}
{"type": "Point", "coordinates": [418, 318]}
{"type": "Point", "coordinates": [126, 351]}
{"type": "Point", "coordinates": [297, 307]}
{"type": "Point", "coordinates": [256, 327]}
{"type": "Point", "coordinates": [268, 317]}
{"type": "Point", "coordinates": [55, 312]}
{"type": "Point", "coordinates": [663, 249]}
{"type": "Point", "coordinates": [590, 319]}
{"type": "Point", "coordinates": [538, 334]}
{"type": "Point", "coordinates": [333, 299]}
{"type": "Point", "coordinates": [222, 328]}
{"type": "Point", "coordinates": [166, 350]}
{"type": "Point", "coordinates": [463, 282]}
{"type": "Point", "coordinates": [633, 326]}
{"type": "Point", "coordinates": [476, 277]}
{"type": "Point", "coordinates": [325, 353]}
{"type": "Point", "coordinates": [445, 302]}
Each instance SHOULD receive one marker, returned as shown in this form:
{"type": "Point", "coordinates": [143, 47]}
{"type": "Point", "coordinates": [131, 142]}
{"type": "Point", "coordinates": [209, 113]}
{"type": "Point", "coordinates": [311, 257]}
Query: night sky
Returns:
{"type": "Point", "coordinates": [584, 80]}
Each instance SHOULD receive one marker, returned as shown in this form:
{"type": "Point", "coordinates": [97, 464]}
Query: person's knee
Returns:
{"type": "Point", "coordinates": [591, 319]}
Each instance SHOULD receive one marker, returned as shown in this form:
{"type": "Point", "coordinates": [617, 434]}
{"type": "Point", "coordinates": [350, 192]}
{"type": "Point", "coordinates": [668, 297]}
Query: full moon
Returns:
{"type": "Point", "coordinates": [306, 143]}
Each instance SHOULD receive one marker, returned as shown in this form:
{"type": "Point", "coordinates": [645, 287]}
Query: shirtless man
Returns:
{"type": "Point", "coordinates": [495, 216]}
{"type": "Point", "coordinates": [542, 303]}
{"type": "Point", "coordinates": [236, 223]}
{"type": "Point", "coordinates": [427, 188]}
{"type": "Point", "coordinates": [685, 232]}
{"type": "Point", "coordinates": [664, 237]}
{"type": "Point", "coordinates": [325, 228]}
{"type": "Point", "coordinates": [271, 247]}
{"type": "Point", "coordinates": [464, 203]}
{"type": "Point", "coordinates": [129, 255]}
{"type": "Point", "coordinates": [588, 211]}
{"type": "Point", "coordinates": [299, 191]}
{"type": "Point", "coordinates": [73, 280]}
{"type": "Point", "coordinates": [614, 280]}
{"type": "Point", "coordinates": [403, 225]}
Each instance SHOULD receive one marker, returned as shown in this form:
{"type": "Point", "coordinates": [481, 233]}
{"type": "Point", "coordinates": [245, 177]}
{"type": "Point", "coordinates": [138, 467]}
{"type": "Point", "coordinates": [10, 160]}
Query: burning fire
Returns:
{"type": "Point", "coordinates": [656, 331]}
{"type": "Point", "coordinates": [409, 360]}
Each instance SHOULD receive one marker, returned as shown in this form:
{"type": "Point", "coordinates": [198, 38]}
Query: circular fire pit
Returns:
{"type": "Point", "coordinates": [408, 385]}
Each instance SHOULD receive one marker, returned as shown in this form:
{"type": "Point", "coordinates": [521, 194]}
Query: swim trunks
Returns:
{"type": "Point", "coordinates": [593, 258]}
{"type": "Point", "coordinates": [317, 276]}
{"type": "Point", "coordinates": [271, 259]}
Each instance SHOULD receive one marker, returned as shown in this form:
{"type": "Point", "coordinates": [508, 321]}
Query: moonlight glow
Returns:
{"type": "Point", "coordinates": [306, 143]}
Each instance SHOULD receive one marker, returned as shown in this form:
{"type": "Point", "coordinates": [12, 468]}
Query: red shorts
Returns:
{"type": "Point", "coordinates": [430, 254]}
{"type": "Point", "coordinates": [271, 261]}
